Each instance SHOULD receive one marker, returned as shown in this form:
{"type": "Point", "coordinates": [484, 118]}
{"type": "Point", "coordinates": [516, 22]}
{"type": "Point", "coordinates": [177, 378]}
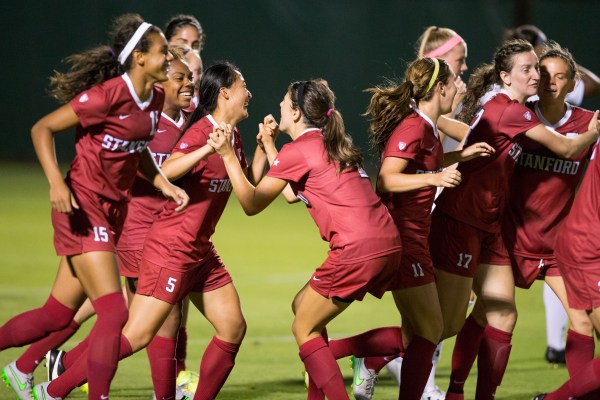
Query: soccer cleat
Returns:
{"type": "Point", "coordinates": [363, 383]}
{"type": "Point", "coordinates": [554, 356]}
{"type": "Point", "coordinates": [540, 396]}
{"type": "Point", "coordinates": [178, 396]}
{"type": "Point", "coordinates": [84, 388]}
{"type": "Point", "coordinates": [18, 381]}
{"type": "Point", "coordinates": [434, 393]}
{"type": "Point", "coordinates": [394, 368]}
{"type": "Point", "coordinates": [40, 392]}
{"type": "Point", "coordinates": [306, 378]}
{"type": "Point", "coordinates": [54, 364]}
{"type": "Point", "coordinates": [187, 383]}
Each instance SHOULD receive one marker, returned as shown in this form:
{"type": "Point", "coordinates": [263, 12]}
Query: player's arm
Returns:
{"type": "Point", "coordinates": [480, 149]}
{"type": "Point", "coordinates": [253, 199]}
{"type": "Point", "coordinates": [42, 135]}
{"type": "Point", "coordinates": [178, 164]}
{"type": "Point", "coordinates": [153, 174]}
{"type": "Point", "coordinates": [455, 129]}
{"type": "Point", "coordinates": [590, 80]}
{"type": "Point", "coordinates": [563, 146]}
{"type": "Point", "coordinates": [392, 178]}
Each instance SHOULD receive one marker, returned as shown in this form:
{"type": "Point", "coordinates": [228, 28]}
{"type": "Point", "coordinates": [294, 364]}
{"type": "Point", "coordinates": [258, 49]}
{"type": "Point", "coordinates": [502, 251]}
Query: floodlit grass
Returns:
{"type": "Point", "coordinates": [270, 257]}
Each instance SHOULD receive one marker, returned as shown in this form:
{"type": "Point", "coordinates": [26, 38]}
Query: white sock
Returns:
{"type": "Point", "coordinates": [556, 319]}
{"type": "Point", "coordinates": [436, 358]}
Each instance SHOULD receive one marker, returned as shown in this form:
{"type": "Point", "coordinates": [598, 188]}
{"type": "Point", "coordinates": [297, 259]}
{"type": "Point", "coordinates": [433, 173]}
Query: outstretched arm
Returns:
{"type": "Point", "coordinates": [253, 199]}
{"type": "Point", "coordinates": [480, 149]}
{"type": "Point", "coordinates": [391, 177]}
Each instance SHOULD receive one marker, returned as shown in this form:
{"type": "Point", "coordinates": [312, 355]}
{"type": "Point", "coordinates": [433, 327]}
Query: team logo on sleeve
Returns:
{"type": "Point", "coordinates": [84, 97]}
{"type": "Point", "coordinates": [527, 115]}
{"type": "Point", "coordinates": [183, 145]}
{"type": "Point", "coordinates": [402, 146]}
{"type": "Point", "coordinates": [276, 162]}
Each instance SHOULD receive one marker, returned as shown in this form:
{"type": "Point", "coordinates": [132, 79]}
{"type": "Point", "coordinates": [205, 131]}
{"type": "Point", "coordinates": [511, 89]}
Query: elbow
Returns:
{"type": "Point", "coordinates": [381, 185]}
{"type": "Point", "coordinates": [250, 211]}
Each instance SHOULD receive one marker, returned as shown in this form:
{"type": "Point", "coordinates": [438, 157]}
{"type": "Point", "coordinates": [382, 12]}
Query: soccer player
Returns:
{"type": "Point", "coordinates": [179, 258]}
{"type": "Point", "coordinates": [405, 135]}
{"type": "Point", "coordinates": [183, 29]}
{"type": "Point", "coordinates": [541, 193]}
{"type": "Point", "coordinates": [112, 101]}
{"type": "Point", "coordinates": [321, 167]}
{"type": "Point", "coordinates": [465, 233]}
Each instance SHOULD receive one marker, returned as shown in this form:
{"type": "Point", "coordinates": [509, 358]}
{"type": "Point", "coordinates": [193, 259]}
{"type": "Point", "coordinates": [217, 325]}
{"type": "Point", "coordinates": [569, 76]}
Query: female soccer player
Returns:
{"type": "Point", "coordinates": [113, 102]}
{"type": "Point", "coordinates": [145, 203]}
{"type": "Point", "coordinates": [183, 29]}
{"type": "Point", "coordinates": [541, 193]}
{"type": "Point", "coordinates": [322, 168]}
{"type": "Point", "coordinates": [178, 257]}
{"type": "Point", "coordinates": [404, 133]}
{"type": "Point", "coordinates": [465, 233]}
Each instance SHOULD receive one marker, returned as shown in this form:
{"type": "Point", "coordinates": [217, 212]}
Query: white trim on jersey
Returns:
{"type": "Point", "coordinates": [560, 123]}
{"type": "Point", "coordinates": [141, 104]}
{"type": "Point", "coordinates": [426, 118]}
{"type": "Point", "coordinates": [180, 121]}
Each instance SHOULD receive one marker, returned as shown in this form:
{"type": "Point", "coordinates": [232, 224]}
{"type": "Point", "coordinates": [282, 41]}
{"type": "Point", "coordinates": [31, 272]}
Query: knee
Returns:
{"type": "Point", "coordinates": [582, 325]}
{"type": "Point", "coordinates": [233, 330]}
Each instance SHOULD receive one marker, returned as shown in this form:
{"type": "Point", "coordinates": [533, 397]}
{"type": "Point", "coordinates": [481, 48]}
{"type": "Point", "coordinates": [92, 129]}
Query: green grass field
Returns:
{"type": "Point", "coordinates": [270, 257]}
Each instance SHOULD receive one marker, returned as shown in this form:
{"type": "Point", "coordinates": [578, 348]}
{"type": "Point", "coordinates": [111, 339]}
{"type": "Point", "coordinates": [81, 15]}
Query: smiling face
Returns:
{"type": "Point", "coordinates": [179, 87]}
{"type": "Point", "coordinates": [555, 83]}
{"type": "Point", "coordinates": [156, 60]}
{"type": "Point", "coordinates": [523, 79]}
{"type": "Point", "coordinates": [287, 113]}
{"type": "Point", "coordinates": [239, 97]}
{"type": "Point", "coordinates": [457, 58]}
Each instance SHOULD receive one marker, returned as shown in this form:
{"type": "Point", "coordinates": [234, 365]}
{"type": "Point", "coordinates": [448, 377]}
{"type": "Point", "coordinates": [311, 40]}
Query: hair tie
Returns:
{"type": "Point", "coordinates": [444, 48]}
{"type": "Point", "coordinates": [436, 70]}
{"type": "Point", "coordinates": [329, 112]}
{"type": "Point", "coordinates": [133, 42]}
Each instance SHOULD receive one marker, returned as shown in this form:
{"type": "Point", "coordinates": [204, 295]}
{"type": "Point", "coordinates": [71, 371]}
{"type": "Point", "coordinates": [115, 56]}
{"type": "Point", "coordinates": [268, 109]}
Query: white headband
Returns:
{"type": "Point", "coordinates": [133, 42]}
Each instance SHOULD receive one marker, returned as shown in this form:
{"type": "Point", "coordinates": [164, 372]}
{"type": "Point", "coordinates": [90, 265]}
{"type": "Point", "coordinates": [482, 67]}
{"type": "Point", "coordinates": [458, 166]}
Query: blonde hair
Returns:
{"type": "Point", "coordinates": [433, 38]}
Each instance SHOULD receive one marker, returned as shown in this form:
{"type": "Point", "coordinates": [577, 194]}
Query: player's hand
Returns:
{"type": "Point", "coordinates": [220, 139]}
{"type": "Point", "coordinates": [461, 91]}
{"type": "Point", "coordinates": [447, 178]}
{"type": "Point", "coordinates": [594, 125]}
{"type": "Point", "coordinates": [176, 194]}
{"type": "Point", "coordinates": [270, 123]}
{"type": "Point", "coordinates": [62, 199]}
{"type": "Point", "coordinates": [480, 149]}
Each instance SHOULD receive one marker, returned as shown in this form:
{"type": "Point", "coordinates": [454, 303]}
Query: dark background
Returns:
{"type": "Point", "coordinates": [353, 44]}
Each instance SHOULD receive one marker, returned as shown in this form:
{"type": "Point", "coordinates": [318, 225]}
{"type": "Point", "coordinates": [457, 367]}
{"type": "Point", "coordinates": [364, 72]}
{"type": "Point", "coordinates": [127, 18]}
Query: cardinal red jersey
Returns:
{"type": "Point", "coordinates": [577, 238]}
{"type": "Point", "coordinates": [416, 139]}
{"type": "Point", "coordinates": [543, 187]}
{"type": "Point", "coordinates": [344, 206]}
{"type": "Point", "coordinates": [115, 127]}
{"type": "Point", "coordinates": [181, 240]}
{"type": "Point", "coordinates": [482, 194]}
{"type": "Point", "coordinates": [146, 201]}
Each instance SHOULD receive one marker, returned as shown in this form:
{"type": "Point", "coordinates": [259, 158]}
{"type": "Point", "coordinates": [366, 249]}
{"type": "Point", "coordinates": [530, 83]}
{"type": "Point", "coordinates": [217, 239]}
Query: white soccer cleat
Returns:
{"type": "Point", "coordinates": [187, 384]}
{"type": "Point", "coordinates": [40, 392]}
{"type": "Point", "coordinates": [394, 368]}
{"type": "Point", "coordinates": [363, 383]}
{"type": "Point", "coordinates": [54, 364]}
{"type": "Point", "coordinates": [18, 381]}
{"type": "Point", "coordinates": [434, 393]}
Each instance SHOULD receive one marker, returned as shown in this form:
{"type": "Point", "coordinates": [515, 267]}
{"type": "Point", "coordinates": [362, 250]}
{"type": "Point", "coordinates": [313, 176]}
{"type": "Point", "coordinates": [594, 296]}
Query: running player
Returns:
{"type": "Point", "coordinates": [112, 100]}
{"type": "Point", "coordinates": [322, 168]}
{"type": "Point", "coordinates": [178, 257]}
{"type": "Point", "coordinates": [465, 233]}
{"type": "Point", "coordinates": [404, 133]}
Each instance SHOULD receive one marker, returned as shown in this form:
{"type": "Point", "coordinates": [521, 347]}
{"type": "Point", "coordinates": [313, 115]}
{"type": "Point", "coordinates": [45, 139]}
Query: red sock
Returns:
{"type": "Point", "coordinates": [181, 349]}
{"type": "Point", "coordinates": [322, 367]}
{"type": "Point", "coordinates": [492, 361]}
{"type": "Point", "coordinates": [161, 354]}
{"type": "Point", "coordinates": [416, 367]}
{"type": "Point", "coordinates": [36, 324]}
{"type": "Point", "coordinates": [78, 373]}
{"type": "Point", "coordinates": [586, 380]}
{"type": "Point", "coordinates": [217, 362]}
{"type": "Point", "coordinates": [465, 352]}
{"type": "Point", "coordinates": [104, 344]}
{"type": "Point", "coordinates": [579, 351]}
{"type": "Point", "coordinates": [314, 393]}
{"type": "Point", "coordinates": [376, 342]}
{"type": "Point", "coordinates": [29, 360]}
{"type": "Point", "coordinates": [377, 363]}
{"type": "Point", "coordinates": [72, 355]}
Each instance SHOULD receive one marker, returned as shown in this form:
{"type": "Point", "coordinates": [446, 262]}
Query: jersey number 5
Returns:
{"type": "Point", "coordinates": [171, 285]}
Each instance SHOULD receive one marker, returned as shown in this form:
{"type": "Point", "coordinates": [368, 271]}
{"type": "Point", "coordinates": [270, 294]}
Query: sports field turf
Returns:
{"type": "Point", "coordinates": [270, 257]}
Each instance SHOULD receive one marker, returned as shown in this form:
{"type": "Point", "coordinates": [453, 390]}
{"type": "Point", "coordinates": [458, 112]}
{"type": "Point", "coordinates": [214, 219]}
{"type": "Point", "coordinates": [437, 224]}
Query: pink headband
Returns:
{"type": "Point", "coordinates": [446, 47]}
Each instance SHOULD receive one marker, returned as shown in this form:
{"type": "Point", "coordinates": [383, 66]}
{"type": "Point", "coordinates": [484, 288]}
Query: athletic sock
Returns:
{"type": "Point", "coordinates": [314, 393]}
{"type": "Point", "coordinates": [493, 357]}
{"type": "Point", "coordinates": [556, 319]}
{"type": "Point", "coordinates": [36, 324]}
{"type": "Point", "coordinates": [430, 385]}
{"type": "Point", "coordinates": [72, 355]}
{"type": "Point", "coordinates": [161, 354]}
{"type": "Point", "coordinates": [78, 373]}
{"type": "Point", "coordinates": [104, 343]}
{"type": "Point", "coordinates": [464, 354]}
{"type": "Point", "coordinates": [181, 349]}
{"type": "Point", "coordinates": [217, 362]}
{"type": "Point", "coordinates": [579, 351]}
{"type": "Point", "coordinates": [322, 367]}
{"type": "Point", "coordinates": [377, 363]}
{"type": "Point", "coordinates": [416, 367]}
{"type": "Point", "coordinates": [31, 358]}
{"type": "Point", "coordinates": [377, 342]}
{"type": "Point", "coordinates": [586, 380]}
